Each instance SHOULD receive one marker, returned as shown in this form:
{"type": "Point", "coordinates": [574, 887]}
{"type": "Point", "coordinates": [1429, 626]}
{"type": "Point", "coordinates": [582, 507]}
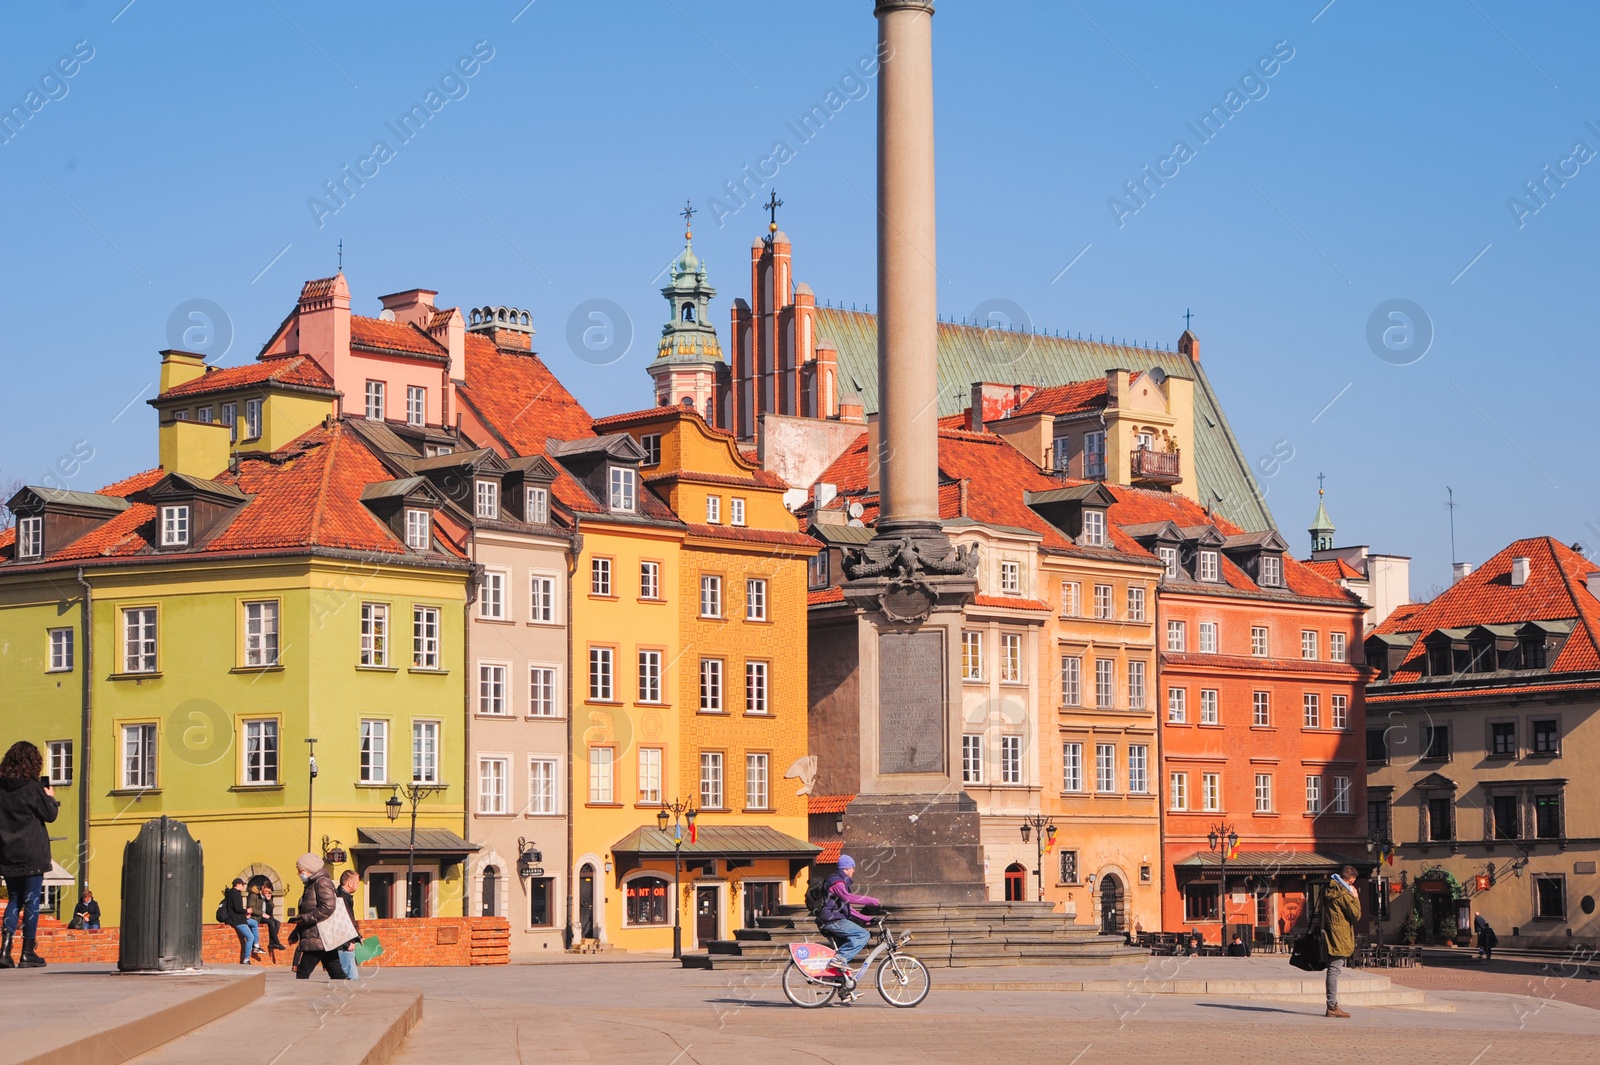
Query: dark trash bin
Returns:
{"type": "Point", "coordinates": [163, 888]}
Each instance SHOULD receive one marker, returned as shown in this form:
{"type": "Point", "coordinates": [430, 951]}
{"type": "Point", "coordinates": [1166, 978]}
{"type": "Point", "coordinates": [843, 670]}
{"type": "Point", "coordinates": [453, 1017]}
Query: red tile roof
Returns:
{"type": "Point", "coordinates": [1556, 589]}
{"type": "Point", "coordinates": [831, 849]}
{"type": "Point", "coordinates": [1067, 399]}
{"type": "Point", "coordinates": [1012, 604]}
{"type": "Point", "coordinates": [824, 595]}
{"type": "Point", "coordinates": [744, 534]}
{"type": "Point", "coordinates": [827, 804]}
{"type": "Point", "coordinates": [392, 336]}
{"type": "Point", "coordinates": [301, 370]}
{"type": "Point", "coordinates": [756, 478]}
{"type": "Point", "coordinates": [1239, 665]}
{"type": "Point", "coordinates": [1333, 569]}
{"type": "Point", "coordinates": [1376, 695]}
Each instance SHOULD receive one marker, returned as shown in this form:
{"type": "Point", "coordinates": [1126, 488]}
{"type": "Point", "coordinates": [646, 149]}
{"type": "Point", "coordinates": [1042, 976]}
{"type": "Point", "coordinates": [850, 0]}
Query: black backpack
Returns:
{"type": "Point", "coordinates": [816, 894]}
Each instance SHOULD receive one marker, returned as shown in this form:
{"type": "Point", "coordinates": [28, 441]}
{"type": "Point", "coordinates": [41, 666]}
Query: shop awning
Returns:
{"type": "Point", "coordinates": [713, 843]}
{"type": "Point", "coordinates": [1297, 863]}
{"type": "Point", "coordinates": [433, 844]}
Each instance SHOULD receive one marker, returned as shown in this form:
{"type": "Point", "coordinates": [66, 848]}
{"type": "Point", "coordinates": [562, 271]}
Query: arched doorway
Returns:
{"type": "Point", "coordinates": [1016, 883]}
{"type": "Point", "coordinates": [586, 902]}
{"type": "Point", "coordinates": [1113, 905]}
{"type": "Point", "coordinates": [491, 891]}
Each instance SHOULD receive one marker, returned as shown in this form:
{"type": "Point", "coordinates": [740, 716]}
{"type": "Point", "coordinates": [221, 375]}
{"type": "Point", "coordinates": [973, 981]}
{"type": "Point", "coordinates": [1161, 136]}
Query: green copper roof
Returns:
{"type": "Point", "coordinates": [970, 353]}
{"type": "Point", "coordinates": [1321, 523]}
{"type": "Point", "coordinates": [688, 335]}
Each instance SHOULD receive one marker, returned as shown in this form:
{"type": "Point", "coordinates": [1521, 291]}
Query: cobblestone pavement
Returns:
{"type": "Point", "coordinates": [651, 1013]}
{"type": "Point", "coordinates": [1558, 980]}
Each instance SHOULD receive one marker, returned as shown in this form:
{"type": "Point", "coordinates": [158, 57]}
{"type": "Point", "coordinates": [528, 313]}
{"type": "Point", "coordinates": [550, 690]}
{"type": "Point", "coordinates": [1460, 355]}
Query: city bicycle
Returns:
{"type": "Point", "coordinates": [902, 980]}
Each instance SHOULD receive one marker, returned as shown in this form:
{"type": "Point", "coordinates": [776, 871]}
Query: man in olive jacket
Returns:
{"type": "Point", "coordinates": [1341, 909]}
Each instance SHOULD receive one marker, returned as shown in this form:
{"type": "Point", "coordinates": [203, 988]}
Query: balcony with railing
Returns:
{"type": "Point", "coordinates": [1154, 467]}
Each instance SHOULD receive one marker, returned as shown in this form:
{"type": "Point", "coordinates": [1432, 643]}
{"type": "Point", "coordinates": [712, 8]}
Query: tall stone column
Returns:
{"type": "Point", "coordinates": [911, 828]}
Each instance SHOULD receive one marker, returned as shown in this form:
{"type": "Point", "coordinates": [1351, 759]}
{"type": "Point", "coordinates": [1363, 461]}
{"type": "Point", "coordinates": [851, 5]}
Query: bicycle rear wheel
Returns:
{"type": "Point", "coordinates": [807, 994]}
{"type": "Point", "coordinates": [903, 981]}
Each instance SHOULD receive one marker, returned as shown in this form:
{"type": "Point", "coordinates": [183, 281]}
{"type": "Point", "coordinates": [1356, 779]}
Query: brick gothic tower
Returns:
{"type": "Point", "coordinates": [688, 367]}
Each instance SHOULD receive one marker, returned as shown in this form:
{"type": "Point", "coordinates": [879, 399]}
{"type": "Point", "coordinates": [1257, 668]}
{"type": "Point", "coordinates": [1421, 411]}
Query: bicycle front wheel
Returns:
{"type": "Point", "coordinates": [807, 994]}
{"type": "Point", "coordinates": [903, 981]}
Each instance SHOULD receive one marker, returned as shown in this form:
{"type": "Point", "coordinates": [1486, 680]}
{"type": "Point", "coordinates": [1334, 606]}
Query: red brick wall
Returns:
{"type": "Point", "coordinates": [421, 942]}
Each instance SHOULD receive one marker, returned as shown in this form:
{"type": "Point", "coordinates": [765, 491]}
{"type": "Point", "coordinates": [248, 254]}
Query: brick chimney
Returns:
{"type": "Point", "coordinates": [414, 306]}
{"type": "Point", "coordinates": [322, 324]}
{"type": "Point", "coordinates": [508, 328]}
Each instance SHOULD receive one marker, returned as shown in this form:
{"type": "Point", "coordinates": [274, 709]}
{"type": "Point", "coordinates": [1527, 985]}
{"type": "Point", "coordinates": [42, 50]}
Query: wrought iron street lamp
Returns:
{"type": "Point", "coordinates": [1380, 889]}
{"type": "Point", "coordinates": [528, 858]}
{"type": "Point", "coordinates": [333, 851]}
{"type": "Point", "coordinates": [1225, 836]}
{"type": "Point", "coordinates": [1046, 828]}
{"type": "Point", "coordinates": [414, 794]}
{"type": "Point", "coordinates": [677, 813]}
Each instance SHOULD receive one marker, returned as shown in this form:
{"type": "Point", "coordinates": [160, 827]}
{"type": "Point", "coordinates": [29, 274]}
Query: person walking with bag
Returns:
{"type": "Point", "coordinates": [27, 804]}
{"type": "Point", "coordinates": [1341, 909]}
{"type": "Point", "coordinates": [322, 925]}
{"type": "Point", "coordinates": [1486, 937]}
{"type": "Point", "coordinates": [348, 881]}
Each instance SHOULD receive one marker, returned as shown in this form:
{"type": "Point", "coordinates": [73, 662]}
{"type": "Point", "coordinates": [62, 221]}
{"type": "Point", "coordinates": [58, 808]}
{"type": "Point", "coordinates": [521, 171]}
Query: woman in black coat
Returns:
{"type": "Point", "coordinates": [27, 804]}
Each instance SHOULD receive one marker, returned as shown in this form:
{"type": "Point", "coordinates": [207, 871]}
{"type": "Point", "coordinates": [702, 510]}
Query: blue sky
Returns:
{"type": "Point", "coordinates": [1376, 163]}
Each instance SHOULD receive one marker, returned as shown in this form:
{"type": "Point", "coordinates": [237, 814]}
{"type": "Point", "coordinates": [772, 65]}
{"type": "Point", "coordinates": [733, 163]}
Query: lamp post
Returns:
{"type": "Point", "coordinates": [1228, 839]}
{"type": "Point", "coordinates": [414, 794]}
{"type": "Point", "coordinates": [1046, 828]}
{"type": "Point", "coordinates": [1380, 889]}
{"type": "Point", "coordinates": [681, 813]}
{"type": "Point", "coordinates": [311, 784]}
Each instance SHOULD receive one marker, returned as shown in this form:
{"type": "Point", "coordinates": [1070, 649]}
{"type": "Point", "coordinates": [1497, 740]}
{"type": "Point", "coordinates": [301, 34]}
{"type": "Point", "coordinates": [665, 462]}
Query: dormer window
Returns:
{"type": "Point", "coordinates": [1011, 578]}
{"type": "Point", "coordinates": [419, 533]}
{"type": "Point", "coordinates": [624, 489]}
{"type": "Point", "coordinates": [538, 512]}
{"type": "Point", "coordinates": [1169, 560]}
{"type": "Point", "coordinates": [175, 526]}
{"type": "Point", "coordinates": [1207, 567]}
{"type": "Point", "coordinates": [488, 507]}
{"type": "Point", "coordinates": [1271, 571]}
{"type": "Point", "coordinates": [30, 537]}
{"type": "Point", "coordinates": [1094, 528]}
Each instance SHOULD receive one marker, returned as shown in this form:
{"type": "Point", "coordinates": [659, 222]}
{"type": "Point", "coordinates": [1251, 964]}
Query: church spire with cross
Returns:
{"type": "Point", "coordinates": [688, 368]}
{"type": "Point", "coordinates": [1322, 528]}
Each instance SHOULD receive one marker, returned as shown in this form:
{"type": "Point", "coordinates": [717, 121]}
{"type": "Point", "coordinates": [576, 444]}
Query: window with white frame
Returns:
{"type": "Point", "coordinates": [649, 580]}
{"type": "Point", "coordinates": [261, 633]}
{"type": "Point", "coordinates": [488, 499]}
{"type": "Point", "coordinates": [1177, 635]}
{"type": "Point", "coordinates": [624, 489]}
{"type": "Point", "coordinates": [1208, 707]}
{"type": "Point", "coordinates": [1177, 791]}
{"type": "Point", "coordinates": [1207, 567]}
{"type": "Point", "coordinates": [649, 676]}
{"type": "Point", "coordinates": [1011, 658]}
{"type": "Point", "coordinates": [1210, 792]}
{"type": "Point", "coordinates": [492, 595]}
{"type": "Point", "coordinates": [1071, 680]}
{"type": "Point", "coordinates": [375, 405]}
{"type": "Point", "coordinates": [1138, 768]}
{"type": "Point", "coordinates": [1071, 599]}
{"type": "Point", "coordinates": [757, 795]}
{"type": "Point", "coordinates": [1105, 683]}
{"type": "Point", "coordinates": [713, 510]}
{"type": "Point", "coordinates": [817, 570]}
{"type": "Point", "coordinates": [1010, 578]}
{"type": "Point", "coordinates": [261, 751]}
{"type": "Point", "coordinates": [1308, 643]}
{"type": "Point", "coordinates": [493, 773]}
{"type": "Point", "coordinates": [736, 510]}
{"type": "Point", "coordinates": [542, 785]}
{"type": "Point", "coordinates": [971, 758]}
{"type": "Point", "coordinates": [1339, 708]}
{"type": "Point", "coordinates": [1105, 767]}
{"type": "Point", "coordinates": [1208, 637]}
{"type": "Point", "coordinates": [601, 686]}
{"type": "Point", "coordinates": [755, 599]}
{"type": "Point", "coordinates": [230, 418]}
{"type": "Point", "coordinates": [1313, 795]}
{"type": "Point", "coordinates": [971, 655]}
{"type": "Point", "coordinates": [139, 639]}
{"type": "Point", "coordinates": [425, 637]}
{"type": "Point", "coordinates": [710, 595]}
{"type": "Point", "coordinates": [1103, 609]}
{"type": "Point", "coordinates": [1136, 685]}
{"type": "Point", "coordinates": [60, 767]}
{"type": "Point", "coordinates": [541, 598]}
{"type": "Point", "coordinates": [203, 414]}
{"type": "Point", "coordinates": [602, 781]}
{"type": "Point", "coordinates": [1341, 795]}
{"type": "Point", "coordinates": [419, 534]}
{"type": "Point", "coordinates": [374, 751]}
{"type": "Point", "coordinates": [252, 419]}
{"type": "Point", "coordinates": [537, 510]}
{"type": "Point", "coordinates": [175, 525]}
{"type": "Point", "coordinates": [1094, 454]}
{"type": "Point", "coordinates": [1336, 647]}
{"type": "Point", "coordinates": [30, 537]}
{"type": "Point", "coordinates": [711, 780]}
{"type": "Point", "coordinates": [1072, 767]}
{"type": "Point", "coordinates": [755, 687]}
{"type": "Point", "coordinates": [1135, 602]}
{"type": "Point", "coordinates": [1271, 571]}
{"type": "Point", "coordinates": [1263, 793]}
{"type": "Point", "coordinates": [1094, 528]}
{"type": "Point", "coordinates": [650, 776]}
{"type": "Point", "coordinates": [61, 648]}
{"type": "Point", "coordinates": [416, 405]}
{"type": "Point", "coordinates": [425, 752]}
{"type": "Point", "coordinates": [1261, 709]}
{"type": "Point", "coordinates": [1258, 641]}
{"type": "Point", "coordinates": [711, 685]}
{"type": "Point", "coordinates": [651, 443]}
{"type": "Point", "coordinates": [1169, 561]}
{"type": "Point", "coordinates": [1011, 759]}
{"type": "Point", "coordinates": [543, 696]}
{"type": "Point", "coordinates": [375, 635]}
{"type": "Point", "coordinates": [600, 576]}
{"type": "Point", "coordinates": [1060, 453]}
{"type": "Point", "coordinates": [492, 688]}
{"type": "Point", "coordinates": [1177, 705]}
{"type": "Point", "coordinates": [1313, 710]}
{"type": "Point", "coordinates": [138, 756]}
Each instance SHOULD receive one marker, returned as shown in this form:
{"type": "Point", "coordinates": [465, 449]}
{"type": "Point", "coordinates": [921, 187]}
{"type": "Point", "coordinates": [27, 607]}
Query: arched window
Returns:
{"type": "Point", "coordinates": [688, 312]}
{"type": "Point", "coordinates": [646, 900]}
{"type": "Point", "coordinates": [491, 891]}
{"type": "Point", "coordinates": [1016, 883]}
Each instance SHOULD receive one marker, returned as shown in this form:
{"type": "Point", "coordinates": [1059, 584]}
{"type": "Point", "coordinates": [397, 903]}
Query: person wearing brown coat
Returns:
{"type": "Point", "coordinates": [1341, 909]}
{"type": "Point", "coordinates": [316, 905]}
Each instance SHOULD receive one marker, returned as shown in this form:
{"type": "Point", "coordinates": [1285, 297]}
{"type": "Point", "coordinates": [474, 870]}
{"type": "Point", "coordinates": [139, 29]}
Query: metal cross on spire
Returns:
{"type": "Point", "coordinates": [1320, 478]}
{"type": "Point", "coordinates": [772, 205]}
{"type": "Point", "coordinates": [1187, 314]}
{"type": "Point", "coordinates": [341, 253]}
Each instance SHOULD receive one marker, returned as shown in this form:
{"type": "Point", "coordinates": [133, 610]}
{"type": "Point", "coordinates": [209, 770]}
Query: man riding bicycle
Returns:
{"type": "Point", "coordinates": [840, 920]}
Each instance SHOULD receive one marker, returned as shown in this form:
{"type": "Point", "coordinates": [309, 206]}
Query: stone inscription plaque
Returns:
{"type": "Point", "coordinates": [911, 702]}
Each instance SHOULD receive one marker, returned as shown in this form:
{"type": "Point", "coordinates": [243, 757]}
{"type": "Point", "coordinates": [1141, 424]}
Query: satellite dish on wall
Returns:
{"type": "Point", "coordinates": [855, 523]}
{"type": "Point", "coordinates": [386, 315]}
{"type": "Point", "coordinates": [856, 510]}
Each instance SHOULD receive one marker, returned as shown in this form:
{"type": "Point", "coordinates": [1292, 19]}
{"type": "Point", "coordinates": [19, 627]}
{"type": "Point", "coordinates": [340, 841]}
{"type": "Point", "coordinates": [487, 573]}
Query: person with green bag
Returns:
{"type": "Point", "coordinates": [348, 880]}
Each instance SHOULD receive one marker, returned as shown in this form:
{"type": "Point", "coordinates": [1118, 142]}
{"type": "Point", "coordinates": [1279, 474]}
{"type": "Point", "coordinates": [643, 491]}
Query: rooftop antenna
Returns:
{"type": "Point", "coordinates": [341, 255]}
{"type": "Point", "coordinates": [1450, 502]}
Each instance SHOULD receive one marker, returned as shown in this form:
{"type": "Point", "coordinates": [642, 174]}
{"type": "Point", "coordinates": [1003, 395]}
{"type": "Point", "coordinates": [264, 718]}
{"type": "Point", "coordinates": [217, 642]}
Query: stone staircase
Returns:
{"type": "Point", "coordinates": [944, 936]}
